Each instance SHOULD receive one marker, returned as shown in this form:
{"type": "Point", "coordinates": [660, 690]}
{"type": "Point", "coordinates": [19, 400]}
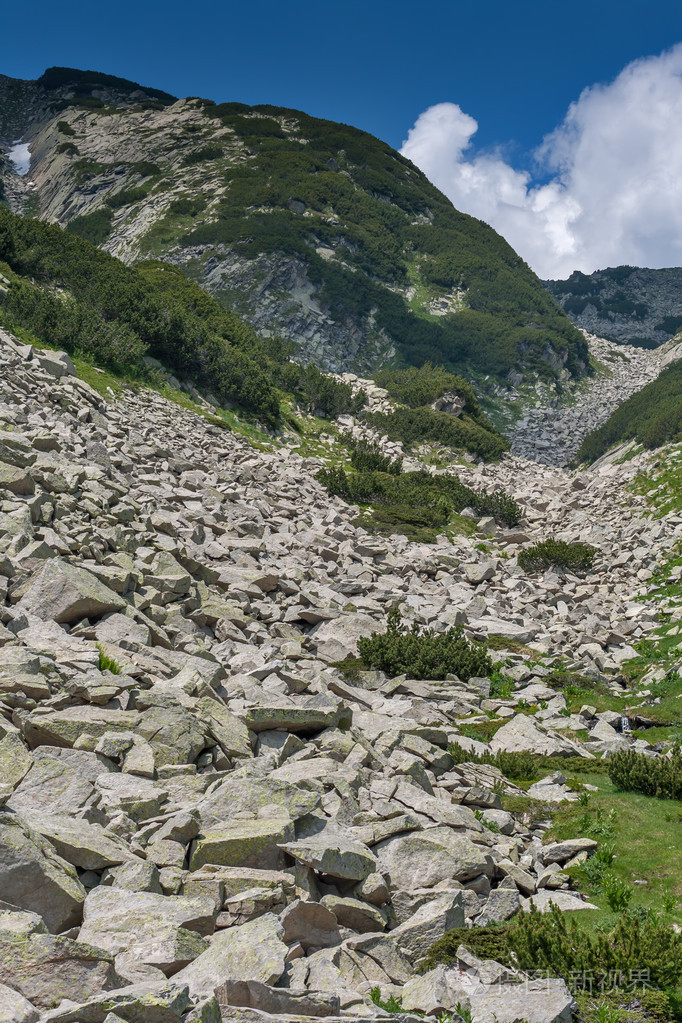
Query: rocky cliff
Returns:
{"type": "Point", "coordinates": [627, 304]}
{"type": "Point", "coordinates": [308, 228]}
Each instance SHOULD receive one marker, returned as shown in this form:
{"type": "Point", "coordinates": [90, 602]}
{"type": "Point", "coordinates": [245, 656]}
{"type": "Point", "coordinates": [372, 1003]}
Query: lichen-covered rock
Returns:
{"type": "Point", "coordinates": [16, 1008]}
{"type": "Point", "coordinates": [254, 843]}
{"type": "Point", "coordinates": [422, 858]}
{"type": "Point", "coordinates": [87, 846]}
{"type": "Point", "coordinates": [15, 762]}
{"type": "Point", "coordinates": [231, 734]}
{"type": "Point", "coordinates": [117, 920]}
{"type": "Point", "coordinates": [338, 857]}
{"type": "Point", "coordinates": [34, 878]}
{"type": "Point", "coordinates": [63, 592]}
{"type": "Point", "coordinates": [240, 796]}
{"type": "Point", "coordinates": [254, 951]}
{"type": "Point", "coordinates": [47, 968]}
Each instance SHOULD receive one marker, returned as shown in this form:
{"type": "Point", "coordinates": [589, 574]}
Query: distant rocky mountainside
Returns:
{"type": "Point", "coordinates": [627, 304]}
{"type": "Point", "coordinates": [307, 228]}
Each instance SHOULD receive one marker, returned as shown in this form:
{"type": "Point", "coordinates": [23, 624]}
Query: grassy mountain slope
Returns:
{"type": "Point", "coordinates": [69, 294]}
{"type": "Point", "coordinates": [306, 227]}
{"type": "Point", "coordinates": [652, 417]}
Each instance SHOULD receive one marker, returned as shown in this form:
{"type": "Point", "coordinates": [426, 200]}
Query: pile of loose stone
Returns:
{"type": "Point", "coordinates": [201, 818]}
{"type": "Point", "coordinates": [552, 435]}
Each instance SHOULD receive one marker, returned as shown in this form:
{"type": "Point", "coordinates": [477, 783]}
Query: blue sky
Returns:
{"type": "Point", "coordinates": [513, 67]}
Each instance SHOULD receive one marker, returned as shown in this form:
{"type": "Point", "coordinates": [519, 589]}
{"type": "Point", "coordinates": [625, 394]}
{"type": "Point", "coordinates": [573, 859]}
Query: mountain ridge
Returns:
{"type": "Point", "coordinates": [626, 304]}
{"type": "Point", "coordinates": [307, 228]}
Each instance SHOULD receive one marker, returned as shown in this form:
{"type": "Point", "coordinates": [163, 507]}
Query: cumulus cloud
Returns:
{"type": "Point", "coordinates": [614, 193]}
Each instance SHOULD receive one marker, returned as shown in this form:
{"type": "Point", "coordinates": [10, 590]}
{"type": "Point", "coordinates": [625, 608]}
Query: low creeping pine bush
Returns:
{"type": "Point", "coordinates": [577, 558]}
{"type": "Point", "coordinates": [652, 776]}
{"type": "Point", "coordinates": [424, 654]}
{"type": "Point", "coordinates": [557, 943]}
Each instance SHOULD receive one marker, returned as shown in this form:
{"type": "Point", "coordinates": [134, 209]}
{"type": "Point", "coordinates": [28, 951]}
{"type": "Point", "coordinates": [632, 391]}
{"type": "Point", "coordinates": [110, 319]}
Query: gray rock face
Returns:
{"type": "Point", "coordinates": [628, 304]}
{"type": "Point", "coordinates": [46, 968]}
{"type": "Point", "coordinates": [424, 858]}
{"type": "Point", "coordinates": [117, 920]}
{"type": "Point", "coordinates": [252, 952]}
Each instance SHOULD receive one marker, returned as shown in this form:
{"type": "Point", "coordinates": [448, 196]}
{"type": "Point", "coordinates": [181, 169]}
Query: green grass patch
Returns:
{"type": "Point", "coordinates": [107, 663]}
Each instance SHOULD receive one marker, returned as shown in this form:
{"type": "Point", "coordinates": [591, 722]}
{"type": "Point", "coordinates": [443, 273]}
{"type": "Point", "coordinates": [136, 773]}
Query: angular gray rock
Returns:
{"type": "Point", "coordinates": [63, 592]}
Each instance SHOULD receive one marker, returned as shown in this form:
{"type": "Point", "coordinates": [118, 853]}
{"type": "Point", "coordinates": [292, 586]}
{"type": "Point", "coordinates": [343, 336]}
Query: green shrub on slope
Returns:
{"type": "Point", "coordinates": [383, 220]}
{"type": "Point", "coordinates": [559, 945]}
{"type": "Point", "coordinates": [653, 776]}
{"type": "Point", "coordinates": [423, 653]}
{"type": "Point", "coordinates": [652, 417]}
{"type": "Point", "coordinates": [73, 296]}
{"type": "Point", "coordinates": [570, 557]}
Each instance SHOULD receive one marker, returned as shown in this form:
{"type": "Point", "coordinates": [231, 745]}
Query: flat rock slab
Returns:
{"type": "Point", "coordinates": [339, 857]}
{"type": "Point", "coordinates": [244, 844]}
{"type": "Point", "coordinates": [565, 901]}
{"type": "Point", "coordinates": [524, 735]}
{"type": "Point", "coordinates": [292, 718]}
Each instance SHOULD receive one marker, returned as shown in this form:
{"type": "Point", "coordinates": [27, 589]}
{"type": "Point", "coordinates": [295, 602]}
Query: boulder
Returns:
{"type": "Point", "coordinates": [416, 936]}
{"type": "Point", "coordinates": [524, 734]}
{"type": "Point", "coordinates": [565, 901]}
{"type": "Point", "coordinates": [423, 858]}
{"type": "Point", "coordinates": [241, 796]}
{"type": "Point", "coordinates": [16, 480]}
{"type": "Point", "coordinates": [147, 1002]}
{"type": "Point", "coordinates": [115, 919]}
{"type": "Point", "coordinates": [49, 784]}
{"type": "Point", "coordinates": [231, 734]}
{"type": "Point", "coordinates": [338, 638]}
{"type": "Point", "coordinates": [561, 852]}
{"type": "Point", "coordinates": [535, 1001]}
{"type": "Point", "coordinates": [15, 762]}
{"type": "Point", "coordinates": [62, 592]}
{"type": "Point", "coordinates": [174, 733]}
{"type": "Point", "coordinates": [311, 924]}
{"type": "Point", "coordinates": [16, 1008]}
{"type": "Point", "coordinates": [296, 718]}
{"type": "Point", "coordinates": [46, 968]}
{"type": "Point", "coordinates": [357, 915]}
{"type": "Point", "coordinates": [88, 846]}
{"type": "Point", "coordinates": [254, 843]}
{"type": "Point", "coordinates": [35, 878]}
{"type": "Point", "coordinates": [339, 857]}
{"type": "Point", "coordinates": [253, 951]}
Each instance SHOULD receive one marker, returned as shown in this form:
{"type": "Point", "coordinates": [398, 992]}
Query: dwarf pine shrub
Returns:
{"type": "Point", "coordinates": [558, 944]}
{"type": "Point", "coordinates": [423, 653]}
{"type": "Point", "coordinates": [577, 558]}
{"type": "Point", "coordinates": [652, 776]}
{"type": "Point", "coordinates": [367, 456]}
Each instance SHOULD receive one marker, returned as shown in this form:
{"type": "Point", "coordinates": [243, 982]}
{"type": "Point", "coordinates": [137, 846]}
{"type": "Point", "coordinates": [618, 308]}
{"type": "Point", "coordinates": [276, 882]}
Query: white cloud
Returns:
{"type": "Point", "coordinates": [615, 164]}
{"type": "Point", "coordinates": [20, 158]}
